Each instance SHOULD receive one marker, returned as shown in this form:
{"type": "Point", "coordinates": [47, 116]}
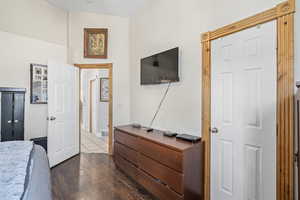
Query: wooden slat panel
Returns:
{"type": "Point", "coordinates": [206, 114]}
{"type": "Point", "coordinates": [170, 177]}
{"type": "Point", "coordinates": [127, 140]}
{"type": "Point", "coordinates": [285, 107]}
{"type": "Point", "coordinates": [157, 137]}
{"type": "Point", "coordinates": [126, 166]}
{"type": "Point", "coordinates": [194, 179]}
{"type": "Point", "coordinates": [161, 154]}
{"type": "Point", "coordinates": [127, 153]}
{"type": "Point", "coordinates": [156, 188]}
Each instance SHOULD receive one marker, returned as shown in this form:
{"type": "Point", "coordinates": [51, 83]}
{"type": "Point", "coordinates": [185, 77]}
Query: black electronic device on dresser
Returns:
{"type": "Point", "coordinates": [167, 167]}
{"type": "Point", "coordinates": [12, 102]}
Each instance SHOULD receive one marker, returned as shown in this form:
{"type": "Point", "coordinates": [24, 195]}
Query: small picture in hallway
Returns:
{"type": "Point", "coordinates": [104, 89]}
{"type": "Point", "coordinates": [39, 84]}
{"type": "Point", "coordinates": [95, 43]}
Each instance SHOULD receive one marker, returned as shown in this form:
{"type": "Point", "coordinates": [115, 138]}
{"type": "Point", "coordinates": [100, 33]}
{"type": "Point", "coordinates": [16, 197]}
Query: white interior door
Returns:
{"type": "Point", "coordinates": [243, 145]}
{"type": "Point", "coordinates": [63, 134]}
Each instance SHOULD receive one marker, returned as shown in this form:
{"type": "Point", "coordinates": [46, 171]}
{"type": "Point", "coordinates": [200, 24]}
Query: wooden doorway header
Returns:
{"type": "Point", "coordinates": [94, 66]}
{"type": "Point", "coordinates": [279, 11]}
{"type": "Point", "coordinates": [284, 15]}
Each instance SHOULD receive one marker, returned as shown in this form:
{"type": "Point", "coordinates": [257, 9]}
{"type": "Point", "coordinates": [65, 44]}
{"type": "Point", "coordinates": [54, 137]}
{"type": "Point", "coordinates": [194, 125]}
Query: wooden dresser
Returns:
{"type": "Point", "coordinates": [169, 168]}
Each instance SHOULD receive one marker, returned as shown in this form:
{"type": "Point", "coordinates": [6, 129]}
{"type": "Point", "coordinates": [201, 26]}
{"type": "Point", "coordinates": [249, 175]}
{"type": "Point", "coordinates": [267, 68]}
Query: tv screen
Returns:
{"type": "Point", "coordinates": [160, 68]}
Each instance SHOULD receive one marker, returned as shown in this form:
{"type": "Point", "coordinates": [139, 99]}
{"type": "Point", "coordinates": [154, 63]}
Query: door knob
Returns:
{"type": "Point", "coordinates": [9, 121]}
{"type": "Point", "coordinates": [214, 130]}
{"type": "Point", "coordinates": [16, 121]}
{"type": "Point", "coordinates": [51, 118]}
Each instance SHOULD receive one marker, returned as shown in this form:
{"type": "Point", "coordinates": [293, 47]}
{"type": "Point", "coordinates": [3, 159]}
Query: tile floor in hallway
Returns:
{"type": "Point", "coordinates": [90, 143]}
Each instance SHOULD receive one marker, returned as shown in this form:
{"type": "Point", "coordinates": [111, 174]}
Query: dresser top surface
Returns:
{"type": "Point", "coordinates": [157, 137]}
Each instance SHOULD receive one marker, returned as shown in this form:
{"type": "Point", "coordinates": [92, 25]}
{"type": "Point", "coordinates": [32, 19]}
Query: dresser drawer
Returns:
{"type": "Point", "coordinates": [127, 153]}
{"type": "Point", "coordinates": [126, 139]}
{"type": "Point", "coordinates": [164, 155]}
{"type": "Point", "coordinates": [167, 175]}
{"type": "Point", "coordinates": [126, 166]}
{"type": "Point", "coordinates": [156, 188]}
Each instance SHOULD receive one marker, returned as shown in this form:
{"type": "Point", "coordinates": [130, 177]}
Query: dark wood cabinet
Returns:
{"type": "Point", "coordinates": [169, 168]}
{"type": "Point", "coordinates": [12, 102]}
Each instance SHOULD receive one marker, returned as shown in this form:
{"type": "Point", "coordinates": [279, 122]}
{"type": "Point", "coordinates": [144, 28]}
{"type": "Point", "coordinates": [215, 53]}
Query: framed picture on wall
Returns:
{"type": "Point", "coordinates": [95, 43]}
{"type": "Point", "coordinates": [38, 84]}
{"type": "Point", "coordinates": [104, 89]}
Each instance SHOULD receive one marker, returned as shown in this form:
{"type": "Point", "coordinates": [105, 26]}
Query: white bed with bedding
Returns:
{"type": "Point", "coordinates": [24, 171]}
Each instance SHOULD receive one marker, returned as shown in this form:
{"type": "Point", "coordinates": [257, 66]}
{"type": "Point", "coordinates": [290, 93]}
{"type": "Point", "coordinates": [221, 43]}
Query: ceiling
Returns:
{"type": "Point", "coordinates": [124, 8]}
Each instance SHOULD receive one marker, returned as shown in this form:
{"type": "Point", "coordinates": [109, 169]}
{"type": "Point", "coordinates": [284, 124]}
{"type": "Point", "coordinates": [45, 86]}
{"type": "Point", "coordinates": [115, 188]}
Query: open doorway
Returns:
{"type": "Point", "coordinates": [95, 109]}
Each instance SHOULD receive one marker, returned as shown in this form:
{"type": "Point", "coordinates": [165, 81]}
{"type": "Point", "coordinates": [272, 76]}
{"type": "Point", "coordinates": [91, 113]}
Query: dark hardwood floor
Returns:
{"type": "Point", "coordinates": [93, 176]}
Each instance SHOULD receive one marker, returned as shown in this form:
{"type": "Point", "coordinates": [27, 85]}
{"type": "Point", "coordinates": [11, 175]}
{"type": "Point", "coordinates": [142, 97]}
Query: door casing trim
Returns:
{"type": "Point", "coordinates": [109, 67]}
{"type": "Point", "coordinates": [283, 13]}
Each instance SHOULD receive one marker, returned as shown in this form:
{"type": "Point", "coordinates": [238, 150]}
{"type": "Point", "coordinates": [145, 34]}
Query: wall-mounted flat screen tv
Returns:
{"type": "Point", "coordinates": [160, 68]}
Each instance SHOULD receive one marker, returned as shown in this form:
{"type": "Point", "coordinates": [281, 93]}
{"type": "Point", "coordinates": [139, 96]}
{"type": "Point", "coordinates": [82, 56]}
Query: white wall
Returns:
{"type": "Point", "coordinates": [101, 109]}
{"type": "Point", "coordinates": [32, 31]}
{"type": "Point", "coordinates": [34, 18]}
{"type": "Point", "coordinates": [85, 100]}
{"type": "Point", "coordinates": [160, 26]}
{"type": "Point", "coordinates": [170, 23]}
{"type": "Point", "coordinates": [228, 11]}
{"type": "Point", "coordinates": [164, 25]}
{"type": "Point", "coordinates": [41, 21]}
{"type": "Point", "coordinates": [118, 54]}
{"type": "Point", "coordinates": [16, 54]}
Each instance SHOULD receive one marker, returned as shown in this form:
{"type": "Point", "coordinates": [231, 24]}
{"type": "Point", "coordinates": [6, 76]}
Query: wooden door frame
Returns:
{"type": "Point", "coordinates": [90, 106]}
{"type": "Point", "coordinates": [109, 67]}
{"type": "Point", "coordinates": [283, 13]}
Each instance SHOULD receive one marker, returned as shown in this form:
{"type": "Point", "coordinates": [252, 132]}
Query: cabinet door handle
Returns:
{"type": "Point", "coordinates": [16, 121]}
{"type": "Point", "coordinates": [9, 121]}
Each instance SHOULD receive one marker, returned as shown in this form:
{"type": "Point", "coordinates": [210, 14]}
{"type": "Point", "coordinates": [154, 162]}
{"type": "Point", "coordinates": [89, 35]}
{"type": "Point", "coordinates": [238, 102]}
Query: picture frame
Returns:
{"type": "Point", "coordinates": [95, 43]}
{"type": "Point", "coordinates": [104, 89]}
{"type": "Point", "coordinates": [38, 84]}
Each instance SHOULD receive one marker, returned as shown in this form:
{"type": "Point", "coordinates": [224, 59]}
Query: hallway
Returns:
{"type": "Point", "coordinates": [94, 111]}
{"type": "Point", "coordinates": [90, 143]}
